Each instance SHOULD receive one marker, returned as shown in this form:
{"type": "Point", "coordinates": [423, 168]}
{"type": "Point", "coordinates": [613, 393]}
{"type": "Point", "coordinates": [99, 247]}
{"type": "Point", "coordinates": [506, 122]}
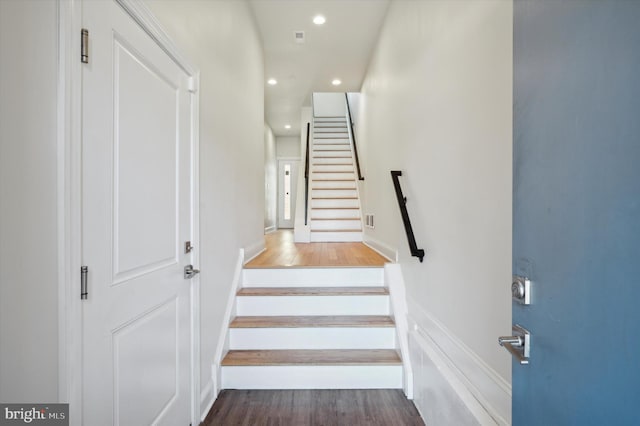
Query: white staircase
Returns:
{"type": "Point", "coordinates": [334, 201]}
{"type": "Point", "coordinates": [312, 328]}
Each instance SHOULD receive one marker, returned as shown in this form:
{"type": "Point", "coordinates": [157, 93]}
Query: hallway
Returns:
{"type": "Point", "coordinates": [281, 251]}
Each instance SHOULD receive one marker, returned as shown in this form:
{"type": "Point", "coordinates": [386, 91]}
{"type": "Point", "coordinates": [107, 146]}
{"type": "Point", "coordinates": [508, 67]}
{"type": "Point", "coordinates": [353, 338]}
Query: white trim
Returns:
{"type": "Point", "coordinates": [69, 208]}
{"type": "Point", "coordinates": [194, 83]}
{"type": "Point", "coordinates": [253, 250]}
{"type": "Point", "coordinates": [481, 389]}
{"type": "Point", "coordinates": [270, 229]}
{"type": "Point", "coordinates": [394, 281]}
{"type": "Point", "coordinates": [140, 13]}
{"type": "Point", "coordinates": [288, 158]}
{"type": "Point", "coordinates": [381, 248]}
{"type": "Point", "coordinates": [223, 337]}
{"type": "Point", "coordinates": [69, 201]}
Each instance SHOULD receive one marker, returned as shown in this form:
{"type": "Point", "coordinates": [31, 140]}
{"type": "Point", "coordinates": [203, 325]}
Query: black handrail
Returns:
{"type": "Point", "coordinates": [402, 202]}
{"type": "Point", "coordinates": [306, 178]}
{"type": "Point", "coordinates": [353, 136]}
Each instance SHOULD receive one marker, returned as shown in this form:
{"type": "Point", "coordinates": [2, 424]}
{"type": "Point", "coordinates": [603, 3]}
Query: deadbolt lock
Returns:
{"type": "Point", "coordinates": [521, 290]}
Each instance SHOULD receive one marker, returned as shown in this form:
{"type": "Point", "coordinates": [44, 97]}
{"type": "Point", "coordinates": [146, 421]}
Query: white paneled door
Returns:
{"type": "Point", "coordinates": [137, 216]}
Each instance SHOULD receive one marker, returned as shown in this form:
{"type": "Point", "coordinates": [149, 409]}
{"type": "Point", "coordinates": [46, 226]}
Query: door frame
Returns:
{"type": "Point", "coordinates": [278, 160]}
{"type": "Point", "coordinates": [69, 197]}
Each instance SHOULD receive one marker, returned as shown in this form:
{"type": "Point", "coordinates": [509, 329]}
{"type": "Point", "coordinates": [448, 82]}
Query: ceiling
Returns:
{"type": "Point", "coordinates": [341, 48]}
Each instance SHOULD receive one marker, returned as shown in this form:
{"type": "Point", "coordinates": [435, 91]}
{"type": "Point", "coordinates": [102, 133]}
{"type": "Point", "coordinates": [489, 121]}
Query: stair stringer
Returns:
{"type": "Point", "coordinates": [399, 311]}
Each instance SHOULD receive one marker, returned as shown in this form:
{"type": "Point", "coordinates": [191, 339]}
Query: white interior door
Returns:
{"type": "Point", "coordinates": [137, 214]}
{"type": "Point", "coordinates": [287, 184]}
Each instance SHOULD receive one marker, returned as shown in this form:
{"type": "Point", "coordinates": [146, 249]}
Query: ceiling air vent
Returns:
{"type": "Point", "coordinates": [298, 36]}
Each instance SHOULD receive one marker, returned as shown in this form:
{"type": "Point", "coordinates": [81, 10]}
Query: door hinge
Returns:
{"type": "Point", "coordinates": [84, 272]}
{"type": "Point", "coordinates": [84, 46]}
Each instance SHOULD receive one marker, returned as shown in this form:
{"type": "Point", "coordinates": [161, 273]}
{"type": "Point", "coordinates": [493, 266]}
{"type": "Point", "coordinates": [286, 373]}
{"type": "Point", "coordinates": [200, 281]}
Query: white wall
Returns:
{"type": "Point", "coordinates": [302, 232]}
{"type": "Point", "coordinates": [28, 197]}
{"type": "Point", "coordinates": [329, 105]}
{"type": "Point", "coordinates": [222, 39]}
{"type": "Point", "coordinates": [288, 146]}
{"type": "Point", "coordinates": [437, 104]}
{"type": "Point", "coordinates": [270, 180]}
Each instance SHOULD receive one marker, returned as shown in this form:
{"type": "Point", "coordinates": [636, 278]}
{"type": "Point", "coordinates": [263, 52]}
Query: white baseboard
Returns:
{"type": "Point", "coordinates": [251, 251]}
{"type": "Point", "coordinates": [383, 249]}
{"type": "Point", "coordinates": [466, 384]}
{"type": "Point", "coordinates": [270, 229]}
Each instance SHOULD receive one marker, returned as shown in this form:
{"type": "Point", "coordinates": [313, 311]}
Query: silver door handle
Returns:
{"type": "Point", "coordinates": [189, 272]}
{"type": "Point", "coordinates": [518, 345]}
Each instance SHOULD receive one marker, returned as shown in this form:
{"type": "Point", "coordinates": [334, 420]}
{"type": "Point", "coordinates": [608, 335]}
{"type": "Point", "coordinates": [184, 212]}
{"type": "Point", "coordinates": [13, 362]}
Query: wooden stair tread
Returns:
{"type": "Point", "coordinates": [313, 291]}
{"type": "Point", "coordinates": [312, 357]}
{"type": "Point", "coordinates": [314, 321]}
{"type": "Point", "coordinates": [336, 230]}
{"type": "Point", "coordinates": [332, 189]}
{"type": "Point", "coordinates": [335, 208]}
{"type": "Point", "coordinates": [333, 180]}
{"type": "Point", "coordinates": [334, 198]}
{"type": "Point", "coordinates": [335, 218]}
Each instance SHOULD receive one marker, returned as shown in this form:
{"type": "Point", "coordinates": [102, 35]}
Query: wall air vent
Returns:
{"type": "Point", "coordinates": [368, 221]}
{"type": "Point", "coordinates": [298, 36]}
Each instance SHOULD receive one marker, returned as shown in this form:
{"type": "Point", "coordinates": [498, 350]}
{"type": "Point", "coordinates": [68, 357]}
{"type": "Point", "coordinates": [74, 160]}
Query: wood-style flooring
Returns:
{"type": "Point", "coordinates": [370, 407]}
{"type": "Point", "coordinates": [281, 252]}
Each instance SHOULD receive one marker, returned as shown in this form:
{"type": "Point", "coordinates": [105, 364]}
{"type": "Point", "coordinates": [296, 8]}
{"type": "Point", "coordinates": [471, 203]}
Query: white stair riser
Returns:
{"type": "Point", "coordinates": [312, 277]}
{"type": "Point", "coordinates": [312, 377]}
{"type": "Point", "coordinates": [312, 338]}
{"type": "Point", "coordinates": [335, 213]}
{"type": "Point", "coordinates": [341, 135]}
{"type": "Point", "coordinates": [335, 237]}
{"type": "Point", "coordinates": [331, 141]}
{"type": "Point", "coordinates": [333, 193]}
{"type": "Point", "coordinates": [333, 184]}
{"type": "Point", "coordinates": [333, 203]}
{"type": "Point", "coordinates": [325, 135]}
{"type": "Point", "coordinates": [335, 224]}
{"type": "Point", "coordinates": [329, 147]}
{"type": "Point", "coordinates": [312, 305]}
{"type": "Point", "coordinates": [333, 122]}
{"type": "Point", "coordinates": [346, 160]}
{"type": "Point", "coordinates": [331, 153]}
{"type": "Point", "coordinates": [319, 131]}
{"type": "Point", "coordinates": [332, 168]}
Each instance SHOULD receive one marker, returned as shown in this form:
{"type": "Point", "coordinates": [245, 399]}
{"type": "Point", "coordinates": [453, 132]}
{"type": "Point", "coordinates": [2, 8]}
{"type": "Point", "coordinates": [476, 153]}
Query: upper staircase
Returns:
{"type": "Point", "coordinates": [312, 328]}
{"type": "Point", "coordinates": [335, 204]}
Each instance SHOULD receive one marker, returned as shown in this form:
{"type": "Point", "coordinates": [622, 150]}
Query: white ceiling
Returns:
{"type": "Point", "coordinates": [341, 48]}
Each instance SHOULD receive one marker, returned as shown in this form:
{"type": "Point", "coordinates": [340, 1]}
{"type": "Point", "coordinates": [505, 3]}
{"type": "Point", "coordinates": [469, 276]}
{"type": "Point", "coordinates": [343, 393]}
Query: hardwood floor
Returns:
{"type": "Point", "coordinates": [281, 251]}
{"type": "Point", "coordinates": [371, 407]}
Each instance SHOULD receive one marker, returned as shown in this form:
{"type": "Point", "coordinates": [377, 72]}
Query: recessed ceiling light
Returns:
{"type": "Point", "coordinates": [336, 82]}
{"type": "Point", "coordinates": [287, 126]}
{"type": "Point", "coordinates": [272, 81]}
{"type": "Point", "coordinates": [319, 20]}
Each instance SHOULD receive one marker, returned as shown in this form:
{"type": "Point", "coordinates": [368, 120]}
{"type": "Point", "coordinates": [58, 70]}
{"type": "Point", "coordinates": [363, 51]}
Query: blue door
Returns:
{"type": "Point", "coordinates": [576, 210]}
